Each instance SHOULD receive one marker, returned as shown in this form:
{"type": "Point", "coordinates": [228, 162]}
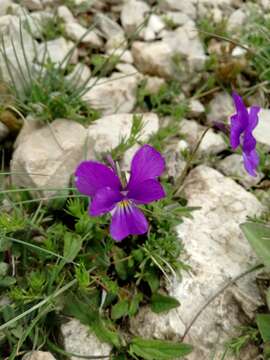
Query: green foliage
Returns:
{"type": "Point", "coordinates": [248, 335]}
{"type": "Point", "coordinates": [105, 282]}
{"type": "Point", "coordinates": [165, 102]}
{"type": "Point", "coordinates": [207, 26]}
{"type": "Point", "coordinates": [158, 349]}
{"type": "Point", "coordinates": [255, 34]}
{"type": "Point", "coordinates": [258, 236]}
{"type": "Point", "coordinates": [160, 303]}
{"type": "Point", "coordinates": [102, 65]}
{"type": "Point", "coordinates": [51, 95]}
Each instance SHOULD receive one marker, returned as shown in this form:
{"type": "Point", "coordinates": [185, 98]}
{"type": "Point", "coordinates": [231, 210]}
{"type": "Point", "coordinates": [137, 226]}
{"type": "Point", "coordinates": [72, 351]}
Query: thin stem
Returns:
{"type": "Point", "coordinates": [219, 292]}
{"type": "Point", "coordinates": [181, 178]}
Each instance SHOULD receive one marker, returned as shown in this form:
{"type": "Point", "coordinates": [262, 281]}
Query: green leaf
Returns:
{"type": "Point", "coordinates": [7, 281]}
{"type": "Point", "coordinates": [258, 236]}
{"type": "Point", "coordinates": [121, 266]}
{"type": "Point", "coordinates": [152, 278]}
{"type": "Point", "coordinates": [134, 304]}
{"type": "Point", "coordinates": [158, 349]}
{"type": "Point", "coordinates": [72, 246]}
{"type": "Point", "coordinates": [263, 322]}
{"type": "Point", "coordinates": [120, 309]}
{"type": "Point", "coordinates": [160, 303]}
{"type": "Point", "coordinates": [90, 316]}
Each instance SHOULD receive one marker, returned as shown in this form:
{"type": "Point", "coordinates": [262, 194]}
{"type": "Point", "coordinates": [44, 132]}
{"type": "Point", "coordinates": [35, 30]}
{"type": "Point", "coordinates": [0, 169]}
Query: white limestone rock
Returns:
{"type": "Point", "coordinates": [186, 7]}
{"type": "Point", "coordinates": [77, 32]}
{"type": "Point", "coordinates": [14, 52]}
{"type": "Point", "coordinates": [262, 131]}
{"type": "Point", "coordinates": [45, 157]}
{"type": "Point", "coordinates": [106, 133]}
{"type": "Point", "coordinates": [196, 108]}
{"type": "Point", "coordinates": [233, 166]}
{"type": "Point", "coordinates": [79, 76]}
{"type": "Point", "coordinates": [133, 15]}
{"type": "Point", "coordinates": [114, 94]}
{"type": "Point", "coordinates": [220, 108]}
{"type": "Point", "coordinates": [38, 355]}
{"type": "Point", "coordinates": [217, 251]}
{"type": "Point", "coordinates": [32, 4]}
{"type": "Point", "coordinates": [79, 340]}
{"type": "Point", "coordinates": [4, 6]}
{"type": "Point", "coordinates": [153, 58]}
{"type": "Point", "coordinates": [212, 142]}
{"type": "Point", "coordinates": [108, 27]}
{"type": "Point", "coordinates": [58, 51]}
{"type": "Point", "coordinates": [65, 14]}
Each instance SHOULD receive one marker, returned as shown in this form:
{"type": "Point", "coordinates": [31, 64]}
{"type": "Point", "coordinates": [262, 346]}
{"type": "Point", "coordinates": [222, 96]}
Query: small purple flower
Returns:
{"type": "Point", "coordinates": [242, 125]}
{"type": "Point", "coordinates": [108, 194]}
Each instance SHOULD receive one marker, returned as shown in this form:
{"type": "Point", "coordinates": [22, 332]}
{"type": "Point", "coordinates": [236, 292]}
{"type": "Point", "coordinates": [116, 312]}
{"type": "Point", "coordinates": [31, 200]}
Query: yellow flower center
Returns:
{"type": "Point", "coordinates": [124, 204]}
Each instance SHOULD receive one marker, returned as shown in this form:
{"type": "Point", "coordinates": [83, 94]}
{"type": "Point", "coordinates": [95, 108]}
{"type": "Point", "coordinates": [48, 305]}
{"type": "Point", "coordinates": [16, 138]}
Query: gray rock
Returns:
{"type": "Point", "coordinates": [4, 131]}
{"type": "Point", "coordinates": [153, 28]}
{"type": "Point", "coordinates": [106, 133]}
{"type": "Point", "coordinates": [58, 51]}
{"type": "Point", "coordinates": [79, 340]}
{"type": "Point", "coordinates": [65, 14]}
{"type": "Point", "coordinates": [212, 142]}
{"type": "Point", "coordinates": [32, 4]}
{"type": "Point", "coordinates": [79, 76]}
{"type": "Point", "coordinates": [262, 131]}
{"type": "Point", "coordinates": [177, 18]}
{"type": "Point", "coordinates": [185, 41]}
{"type": "Point", "coordinates": [153, 58]}
{"type": "Point", "coordinates": [35, 21]}
{"type": "Point", "coordinates": [154, 84]}
{"type": "Point", "coordinates": [220, 108]}
{"type": "Point", "coordinates": [233, 166]}
{"type": "Point", "coordinates": [125, 68]}
{"type": "Point", "coordinates": [133, 15]}
{"type": "Point", "coordinates": [108, 26]}
{"type": "Point", "coordinates": [4, 5]}
{"type": "Point", "coordinates": [15, 57]}
{"type": "Point", "coordinates": [123, 54]}
{"type": "Point", "coordinates": [77, 32]}
{"type": "Point", "coordinates": [236, 20]}
{"type": "Point", "coordinates": [158, 58]}
{"type": "Point", "coordinates": [196, 108]}
{"type": "Point", "coordinates": [186, 7]}
{"type": "Point", "coordinates": [114, 94]}
{"type": "Point", "coordinates": [217, 251]}
{"type": "Point", "coordinates": [46, 157]}
{"type": "Point", "coordinates": [38, 355]}
{"type": "Point", "coordinates": [175, 162]}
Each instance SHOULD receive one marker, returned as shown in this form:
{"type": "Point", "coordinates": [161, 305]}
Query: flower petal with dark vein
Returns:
{"type": "Point", "coordinates": [107, 193]}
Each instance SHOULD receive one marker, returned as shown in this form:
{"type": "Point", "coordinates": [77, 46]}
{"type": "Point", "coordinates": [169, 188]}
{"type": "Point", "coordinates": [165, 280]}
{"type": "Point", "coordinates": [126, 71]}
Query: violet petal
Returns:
{"type": "Point", "coordinates": [148, 191]}
{"type": "Point", "coordinates": [104, 201]}
{"type": "Point", "coordinates": [251, 161]}
{"type": "Point", "coordinates": [127, 220]}
{"type": "Point", "coordinates": [146, 164]}
{"type": "Point", "coordinates": [90, 176]}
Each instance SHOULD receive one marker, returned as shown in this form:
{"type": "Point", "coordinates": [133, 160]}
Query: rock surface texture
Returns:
{"type": "Point", "coordinates": [78, 340]}
{"type": "Point", "coordinates": [217, 252]}
{"type": "Point", "coordinates": [58, 149]}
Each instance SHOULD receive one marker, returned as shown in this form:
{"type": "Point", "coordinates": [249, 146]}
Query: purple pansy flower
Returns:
{"type": "Point", "coordinates": [242, 125]}
{"type": "Point", "coordinates": [109, 194]}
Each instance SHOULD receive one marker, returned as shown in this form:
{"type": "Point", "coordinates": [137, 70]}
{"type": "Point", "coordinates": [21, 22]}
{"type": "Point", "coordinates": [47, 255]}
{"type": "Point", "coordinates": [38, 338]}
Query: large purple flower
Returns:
{"type": "Point", "coordinates": [109, 194]}
{"type": "Point", "coordinates": [242, 125]}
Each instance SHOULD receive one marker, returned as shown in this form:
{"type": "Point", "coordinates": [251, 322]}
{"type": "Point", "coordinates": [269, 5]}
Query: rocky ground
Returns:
{"type": "Point", "coordinates": [174, 62]}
